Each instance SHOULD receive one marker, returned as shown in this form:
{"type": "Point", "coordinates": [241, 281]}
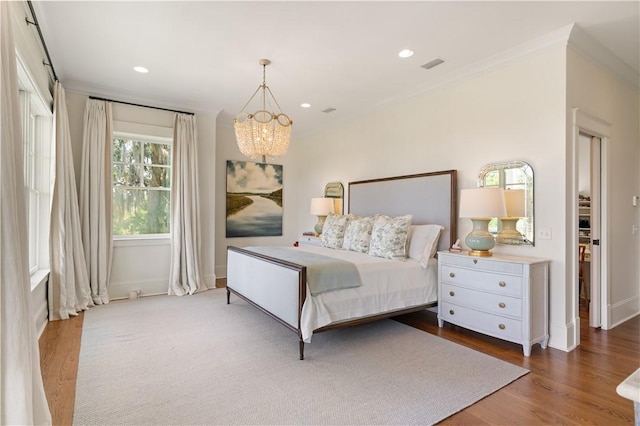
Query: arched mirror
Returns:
{"type": "Point", "coordinates": [335, 190]}
{"type": "Point", "coordinates": [516, 177]}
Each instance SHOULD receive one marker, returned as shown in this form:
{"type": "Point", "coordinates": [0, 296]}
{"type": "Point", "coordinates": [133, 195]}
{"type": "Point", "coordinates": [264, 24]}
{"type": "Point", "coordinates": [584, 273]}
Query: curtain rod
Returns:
{"type": "Point", "coordinates": [44, 45]}
{"type": "Point", "coordinates": [139, 105]}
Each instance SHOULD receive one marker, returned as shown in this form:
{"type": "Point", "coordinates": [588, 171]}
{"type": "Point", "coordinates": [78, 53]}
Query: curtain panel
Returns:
{"type": "Point", "coordinates": [95, 197]}
{"type": "Point", "coordinates": [22, 397]}
{"type": "Point", "coordinates": [185, 276]}
{"type": "Point", "coordinates": [69, 289]}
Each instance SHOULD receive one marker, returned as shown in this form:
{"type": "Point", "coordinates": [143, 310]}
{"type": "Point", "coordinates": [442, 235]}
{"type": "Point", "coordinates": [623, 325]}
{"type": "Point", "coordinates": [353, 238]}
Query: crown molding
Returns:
{"type": "Point", "coordinates": [584, 44]}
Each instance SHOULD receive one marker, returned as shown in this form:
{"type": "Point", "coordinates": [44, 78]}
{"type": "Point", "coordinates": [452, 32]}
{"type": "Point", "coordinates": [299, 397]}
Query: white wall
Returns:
{"type": "Point", "coordinates": [292, 169]}
{"type": "Point", "coordinates": [144, 264]}
{"type": "Point", "coordinates": [584, 165]}
{"type": "Point", "coordinates": [595, 90]}
{"type": "Point", "coordinates": [516, 112]}
{"type": "Point", "coordinates": [520, 111]}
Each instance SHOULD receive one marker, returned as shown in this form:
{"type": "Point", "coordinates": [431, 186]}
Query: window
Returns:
{"type": "Point", "coordinates": [36, 129]}
{"type": "Point", "coordinates": [141, 202]}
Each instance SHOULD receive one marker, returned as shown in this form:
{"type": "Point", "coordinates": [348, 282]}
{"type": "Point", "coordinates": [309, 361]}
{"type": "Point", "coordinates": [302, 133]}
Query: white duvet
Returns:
{"type": "Point", "coordinates": [387, 285]}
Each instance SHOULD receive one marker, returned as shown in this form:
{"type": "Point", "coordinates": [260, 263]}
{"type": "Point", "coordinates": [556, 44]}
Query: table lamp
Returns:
{"type": "Point", "coordinates": [481, 205]}
{"type": "Point", "coordinates": [514, 202]}
{"type": "Point", "coordinates": [321, 207]}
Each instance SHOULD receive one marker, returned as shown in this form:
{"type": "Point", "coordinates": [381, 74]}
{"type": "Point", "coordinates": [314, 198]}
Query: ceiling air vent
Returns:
{"type": "Point", "coordinates": [328, 110]}
{"type": "Point", "coordinates": [432, 63]}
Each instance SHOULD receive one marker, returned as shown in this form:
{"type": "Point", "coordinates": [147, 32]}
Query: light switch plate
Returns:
{"type": "Point", "coordinates": [544, 233]}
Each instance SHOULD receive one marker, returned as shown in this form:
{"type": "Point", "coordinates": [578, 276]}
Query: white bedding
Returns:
{"type": "Point", "coordinates": [387, 285]}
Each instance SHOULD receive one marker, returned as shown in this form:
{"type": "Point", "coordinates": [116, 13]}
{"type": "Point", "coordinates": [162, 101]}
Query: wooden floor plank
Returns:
{"type": "Point", "coordinates": [577, 387]}
{"type": "Point", "coordinates": [59, 355]}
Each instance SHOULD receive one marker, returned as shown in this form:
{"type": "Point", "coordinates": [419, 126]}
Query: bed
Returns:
{"type": "Point", "coordinates": [272, 280]}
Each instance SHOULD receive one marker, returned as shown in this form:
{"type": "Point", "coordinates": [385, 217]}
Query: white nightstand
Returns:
{"type": "Point", "coordinates": [502, 296]}
{"type": "Point", "coordinates": [309, 240]}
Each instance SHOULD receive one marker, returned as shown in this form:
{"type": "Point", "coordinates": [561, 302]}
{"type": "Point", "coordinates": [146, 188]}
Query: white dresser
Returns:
{"type": "Point", "coordinates": [502, 296]}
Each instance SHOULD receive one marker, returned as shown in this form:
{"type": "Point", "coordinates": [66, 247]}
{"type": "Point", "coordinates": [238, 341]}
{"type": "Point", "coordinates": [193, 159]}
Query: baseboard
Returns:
{"type": "Point", "coordinates": [562, 336]}
{"type": "Point", "coordinates": [623, 311]}
{"type": "Point", "coordinates": [155, 287]}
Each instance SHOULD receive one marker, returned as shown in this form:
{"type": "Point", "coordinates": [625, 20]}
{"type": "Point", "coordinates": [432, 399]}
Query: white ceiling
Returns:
{"type": "Point", "coordinates": [203, 56]}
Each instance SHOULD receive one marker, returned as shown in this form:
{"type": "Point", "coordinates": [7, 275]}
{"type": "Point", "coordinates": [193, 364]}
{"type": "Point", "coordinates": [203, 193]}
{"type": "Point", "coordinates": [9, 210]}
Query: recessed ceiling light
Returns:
{"type": "Point", "coordinates": [141, 70]}
{"type": "Point", "coordinates": [305, 105]}
{"type": "Point", "coordinates": [406, 53]}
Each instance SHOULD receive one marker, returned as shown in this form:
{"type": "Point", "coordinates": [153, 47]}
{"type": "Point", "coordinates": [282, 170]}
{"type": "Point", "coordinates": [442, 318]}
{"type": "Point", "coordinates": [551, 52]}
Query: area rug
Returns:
{"type": "Point", "coordinates": [191, 360]}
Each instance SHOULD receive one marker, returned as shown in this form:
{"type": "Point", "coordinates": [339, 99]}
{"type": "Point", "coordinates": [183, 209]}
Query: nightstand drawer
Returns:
{"type": "Point", "coordinates": [484, 281]}
{"type": "Point", "coordinates": [480, 264]}
{"type": "Point", "coordinates": [486, 302]}
{"type": "Point", "coordinates": [494, 325]}
{"type": "Point", "coordinates": [309, 240]}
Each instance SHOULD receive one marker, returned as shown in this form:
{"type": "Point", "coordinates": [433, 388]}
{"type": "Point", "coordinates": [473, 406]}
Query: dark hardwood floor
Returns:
{"type": "Point", "coordinates": [562, 388]}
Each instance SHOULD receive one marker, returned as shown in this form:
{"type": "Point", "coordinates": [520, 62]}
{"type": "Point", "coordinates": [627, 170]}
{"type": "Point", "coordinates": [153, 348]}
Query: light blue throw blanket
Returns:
{"type": "Point", "coordinates": [324, 273]}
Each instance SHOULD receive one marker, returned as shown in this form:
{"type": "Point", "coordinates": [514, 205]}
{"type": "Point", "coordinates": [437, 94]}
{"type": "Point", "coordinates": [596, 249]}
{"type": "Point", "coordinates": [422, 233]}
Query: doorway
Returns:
{"type": "Point", "coordinates": [589, 207]}
{"type": "Point", "coordinates": [596, 134]}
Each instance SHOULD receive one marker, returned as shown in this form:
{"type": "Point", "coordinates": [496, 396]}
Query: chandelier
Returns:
{"type": "Point", "coordinates": [263, 133]}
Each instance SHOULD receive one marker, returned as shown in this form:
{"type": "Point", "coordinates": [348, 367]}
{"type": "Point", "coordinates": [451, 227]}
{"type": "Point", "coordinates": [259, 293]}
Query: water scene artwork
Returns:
{"type": "Point", "coordinates": [254, 199]}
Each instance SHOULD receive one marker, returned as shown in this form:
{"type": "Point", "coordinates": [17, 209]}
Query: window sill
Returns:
{"type": "Point", "coordinates": [39, 277]}
{"type": "Point", "coordinates": [160, 240]}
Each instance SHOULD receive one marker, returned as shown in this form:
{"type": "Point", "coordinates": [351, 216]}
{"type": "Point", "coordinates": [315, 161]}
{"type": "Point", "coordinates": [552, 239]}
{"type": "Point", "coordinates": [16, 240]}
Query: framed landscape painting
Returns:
{"type": "Point", "coordinates": [254, 199]}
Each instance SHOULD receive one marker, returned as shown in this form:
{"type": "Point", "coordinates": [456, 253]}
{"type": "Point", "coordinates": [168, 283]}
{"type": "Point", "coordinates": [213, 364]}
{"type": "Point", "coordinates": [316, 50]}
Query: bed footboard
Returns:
{"type": "Point", "coordinates": [276, 287]}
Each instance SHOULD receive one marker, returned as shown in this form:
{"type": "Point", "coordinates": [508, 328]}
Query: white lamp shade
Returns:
{"type": "Point", "coordinates": [514, 202]}
{"type": "Point", "coordinates": [321, 206]}
{"type": "Point", "coordinates": [482, 203]}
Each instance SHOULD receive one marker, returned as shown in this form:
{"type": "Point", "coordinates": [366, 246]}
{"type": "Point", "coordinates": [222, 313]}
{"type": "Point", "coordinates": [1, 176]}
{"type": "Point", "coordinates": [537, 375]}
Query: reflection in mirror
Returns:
{"type": "Point", "coordinates": [335, 190]}
{"type": "Point", "coordinates": [513, 175]}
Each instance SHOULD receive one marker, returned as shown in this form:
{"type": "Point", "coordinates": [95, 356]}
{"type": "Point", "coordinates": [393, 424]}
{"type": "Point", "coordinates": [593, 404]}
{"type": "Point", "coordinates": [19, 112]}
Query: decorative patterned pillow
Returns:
{"type": "Point", "coordinates": [358, 235]}
{"type": "Point", "coordinates": [333, 230]}
{"type": "Point", "coordinates": [389, 237]}
{"type": "Point", "coordinates": [423, 242]}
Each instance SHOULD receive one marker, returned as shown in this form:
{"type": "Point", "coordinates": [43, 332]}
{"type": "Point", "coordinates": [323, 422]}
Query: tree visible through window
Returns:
{"type": "Point", "coordinates": [141, 185]}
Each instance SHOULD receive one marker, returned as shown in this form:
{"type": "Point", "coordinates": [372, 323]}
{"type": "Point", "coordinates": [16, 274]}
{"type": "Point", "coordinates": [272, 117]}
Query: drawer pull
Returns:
{"type": "Point", "coordinates": [451, 312]}
{"type": "Point", "coordinates": [475, 261]}
{"type": "Point", "coordinates": [452, 293]}
{"type": "Point", "coordinates": [502, 305]}
{"type": "Point", "coordinates": [502, 284]}
{"type": "Point", "coordinates": [502, 326]}
{"type": "Point", "coordinates": [451, 274]}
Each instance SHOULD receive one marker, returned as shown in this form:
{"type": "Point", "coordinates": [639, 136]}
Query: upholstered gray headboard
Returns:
{"type": "Point", "coordinates": [432, 198]}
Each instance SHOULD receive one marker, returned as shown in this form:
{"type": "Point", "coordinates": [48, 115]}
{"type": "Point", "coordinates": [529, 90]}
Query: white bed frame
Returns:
{"type": "Point", "coordinates": [278, 288]}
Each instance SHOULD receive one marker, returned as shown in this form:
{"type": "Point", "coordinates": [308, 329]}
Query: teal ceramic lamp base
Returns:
{"type": "Point", "coordinates": [480, 240]}
{"type": "Point", "coordinates": [509, 234]}
{"type": "Point", "coordinates": [318, 228]}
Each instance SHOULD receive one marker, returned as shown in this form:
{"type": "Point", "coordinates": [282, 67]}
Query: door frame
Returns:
{"type": "Point", "coordinates": [590, 125]}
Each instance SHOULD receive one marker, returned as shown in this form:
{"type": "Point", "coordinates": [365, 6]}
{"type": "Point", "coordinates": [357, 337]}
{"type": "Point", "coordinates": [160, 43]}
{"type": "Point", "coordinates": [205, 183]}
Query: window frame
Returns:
{"type": "Point", "coordinates": [36, 117]}
{"type": "Point", "coordinates": [145, 134]}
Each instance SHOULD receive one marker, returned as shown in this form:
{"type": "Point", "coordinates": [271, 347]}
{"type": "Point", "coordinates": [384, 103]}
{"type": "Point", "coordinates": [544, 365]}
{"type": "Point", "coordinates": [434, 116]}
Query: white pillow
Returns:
{"type": "Point", "coordinates": [389, 237]}
{"type": "Point", "coordinates": [333, 231]}
{"type": "Point", "coordinates": [357, 236]}
{"type": "Point", "coordinates": [423, 242]}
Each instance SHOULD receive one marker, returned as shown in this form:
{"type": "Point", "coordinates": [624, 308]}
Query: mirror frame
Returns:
{"type": "Point", "coordinates": [335, 190]}
{"type": "Point", "coordinates": [528, 186]}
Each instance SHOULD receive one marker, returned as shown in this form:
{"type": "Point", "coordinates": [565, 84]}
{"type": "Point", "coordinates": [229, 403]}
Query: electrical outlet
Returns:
{"type": "Point", "coordinates": [634, 229]}
{"type": "Point", "coordinates": [544, 233]}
